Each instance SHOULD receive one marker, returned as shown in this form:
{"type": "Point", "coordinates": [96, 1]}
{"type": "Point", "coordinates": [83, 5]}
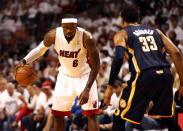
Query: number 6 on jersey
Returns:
{"type": "Point", "coordinates": [75, 63]}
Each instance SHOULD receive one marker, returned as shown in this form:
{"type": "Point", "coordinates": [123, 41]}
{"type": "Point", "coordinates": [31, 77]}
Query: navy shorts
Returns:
{"type": "Point", "coordinates": [154, 85]}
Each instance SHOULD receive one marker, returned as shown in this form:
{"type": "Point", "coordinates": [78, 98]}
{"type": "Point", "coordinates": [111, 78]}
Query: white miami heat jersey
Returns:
{"type": "Point", "coordinates": [72, 56]}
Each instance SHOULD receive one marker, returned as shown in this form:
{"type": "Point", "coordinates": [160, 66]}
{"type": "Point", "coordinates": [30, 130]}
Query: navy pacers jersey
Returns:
{"type": "Point", "coordinates": [144, 48]}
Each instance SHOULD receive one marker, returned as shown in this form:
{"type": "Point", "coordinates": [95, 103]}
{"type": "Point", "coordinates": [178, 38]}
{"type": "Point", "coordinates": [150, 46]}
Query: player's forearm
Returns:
{"type": "Point", "coordinates": [178, 60]}
{"type": "Point", "coordinates": [95, 65]}
{"type": "Point", "coordinates": [116, 64]}
{"type": "Point", "coordinates": [49, 120]}
{"type": "Point", "coordinates": [36, 53]}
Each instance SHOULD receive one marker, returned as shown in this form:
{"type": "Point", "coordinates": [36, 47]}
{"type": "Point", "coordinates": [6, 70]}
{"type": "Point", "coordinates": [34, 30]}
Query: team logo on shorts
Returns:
{"type": "Point", "coordinates": [95, 104]}
{"type": "Point", "coordinates": [122, 103]}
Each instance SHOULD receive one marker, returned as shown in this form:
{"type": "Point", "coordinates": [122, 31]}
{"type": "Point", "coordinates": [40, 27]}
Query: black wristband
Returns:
{"type": "Point", "coordinates": [88, 89]}
{"type": "Point", "coordinates": [24, 61]}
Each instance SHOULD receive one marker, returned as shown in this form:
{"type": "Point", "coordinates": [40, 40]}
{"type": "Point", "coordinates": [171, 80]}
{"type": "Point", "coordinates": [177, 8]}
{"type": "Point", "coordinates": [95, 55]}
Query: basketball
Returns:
{"type": "Point", "coordinates": [25, 75]}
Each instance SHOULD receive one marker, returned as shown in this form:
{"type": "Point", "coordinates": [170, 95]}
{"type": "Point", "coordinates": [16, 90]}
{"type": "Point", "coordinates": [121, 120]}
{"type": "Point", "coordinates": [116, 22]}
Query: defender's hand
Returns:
{"type": "Point", "coordinates": [180, 92]}
{"type": "Point", "coordinates": [84, 96]}
{"type": "Point", "coordinates": [107, 95]}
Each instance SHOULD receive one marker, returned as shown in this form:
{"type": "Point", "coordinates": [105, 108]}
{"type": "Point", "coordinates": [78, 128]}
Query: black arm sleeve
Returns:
{"type": "Point", "coordinates": [116, 64]}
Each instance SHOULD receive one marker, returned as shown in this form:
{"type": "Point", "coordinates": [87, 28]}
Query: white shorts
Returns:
{"type": "Point", "coordinates": [66, 90]}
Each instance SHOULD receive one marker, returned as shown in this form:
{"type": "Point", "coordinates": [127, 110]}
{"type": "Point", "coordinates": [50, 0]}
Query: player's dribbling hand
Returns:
{"type": "Point", "coordinates": [19, 65]}
{"type": "Point", "coordinates": [107, 95]}
{"type": "Point", "coordinates": [180, 92]}
{"type": "Point", "coordinates": [84, 96]}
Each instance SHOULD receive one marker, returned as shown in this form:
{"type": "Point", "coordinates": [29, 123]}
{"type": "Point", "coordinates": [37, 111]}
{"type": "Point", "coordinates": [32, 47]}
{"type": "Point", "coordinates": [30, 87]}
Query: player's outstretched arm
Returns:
{"type": "Point", "coordinates": [34, 54]}
{"type": "Point", "coordinates": [89, 44]}
{"type": "Point", "coordinates": [120, 39]}
{"type": "Point", "coordinates": [177, 58]}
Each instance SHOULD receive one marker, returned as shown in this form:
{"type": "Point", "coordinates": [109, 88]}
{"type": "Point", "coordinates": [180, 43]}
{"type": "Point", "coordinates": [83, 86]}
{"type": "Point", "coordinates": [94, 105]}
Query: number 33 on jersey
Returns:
{"type": "Point", "coordinates": [144, 48]}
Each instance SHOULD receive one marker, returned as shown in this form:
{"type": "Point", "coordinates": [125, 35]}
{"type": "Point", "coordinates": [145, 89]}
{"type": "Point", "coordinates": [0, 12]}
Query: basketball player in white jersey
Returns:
{"type": "Point", "coordinates": [76, 77]}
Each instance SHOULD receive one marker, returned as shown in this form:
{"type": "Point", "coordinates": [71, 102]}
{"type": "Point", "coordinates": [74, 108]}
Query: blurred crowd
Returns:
{"type": "Point", "coordinates": [23, 24]}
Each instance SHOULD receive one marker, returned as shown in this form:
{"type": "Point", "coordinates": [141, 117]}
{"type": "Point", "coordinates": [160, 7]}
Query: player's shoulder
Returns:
{"type": "Point", "coordinates": [58, 28]}
{"type": "Point", "coordinates": [121, 33]}
{"type": "Point", "coordinates": [87, 34]}
{"type": "Point", "coordinates": [80, 29]}
{"type": "Point", "coordinates": [51, 32]}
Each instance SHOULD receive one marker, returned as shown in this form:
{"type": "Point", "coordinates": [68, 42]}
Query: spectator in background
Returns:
{"type": "Point", "coordinates": [42, 111]}
{"type": "Point", "coordinates": [33, 15]}
{"type": "Point", "coordinates": [3, 83]}
{"type": "Point", "coordinates": [102, 77]}
{"type": "Point", "coordinates": [116, 20]}
{"type": "Point", "coordinates": [109, 47]}
{"type": "Point", "coordinates": [180, 14]}
{"type": "Point", "coordinates": [80, 122]}
{"type": "Point", "coordinates": [172, 35]}
{"type": "Point", "coordinates": [11, 105]}
{"type": "Point", "coordinates": [104, 56]}
{"type": "Point", "coordinates": [173, 8]}
{"type": "Point", "coordinates": [149, 19]}
{"type": "Point", "coordinates": [84, 21]}
{"type": "Point", "coordinates": [40, 98]}
{"type": "Point", "coordinates": [8, 10]}
{"type": "Point", "coordinates": [24, 92]}
{"type": "Point", "coordinates": [107, 113]}
{"type": "Point", "coordinates": [177, 29]}
{"type": "Point", "coordinates": [50, 71]}
{"type": "Point", "coordinates": [27, 108]}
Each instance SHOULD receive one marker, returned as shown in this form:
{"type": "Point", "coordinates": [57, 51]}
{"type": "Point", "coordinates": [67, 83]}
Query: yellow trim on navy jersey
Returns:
{"type": "Point", "coordinates": [117, 112]}
{"type": "Point", "coordinates": [131, 51]}
{"type": "Point", "coordinates": [131, 120]}
{"type": "Point", "coordinates": [135, 64]}
{"type": "Point", "coordinates": [134, 60]}
{"type": "Point", "coordinates": [163, 49]}
{"type": "Point", "coordinates": [130, 99]}
{"type": "Point", "coordinates": [157, 116]}
{"type": "Point", "coordinates": [126, 56]}
{"type": "Point", "coordinates": [135, 24]}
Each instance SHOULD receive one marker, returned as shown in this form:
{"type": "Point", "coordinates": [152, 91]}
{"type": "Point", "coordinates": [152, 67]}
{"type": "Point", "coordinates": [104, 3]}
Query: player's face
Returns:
{"type": "Point", "coordinates": [2, 85]}
{"type": "Point", "coordinates": [10, 90]}
{"type": "Point", "coordinates": [69, 29]}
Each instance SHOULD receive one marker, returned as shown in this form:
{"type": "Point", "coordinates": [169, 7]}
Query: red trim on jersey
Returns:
{"type": "Point", "coordinates": [58, 64]}
{"type": "Point", "coordinates": [61, 113]}
{"type": "Point", "coordinates": [90, 112]}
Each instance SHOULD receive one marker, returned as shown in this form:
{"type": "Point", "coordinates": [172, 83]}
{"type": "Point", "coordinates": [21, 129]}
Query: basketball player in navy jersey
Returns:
{"type": "Point", "coordinates": [151, 79]}
{"type": "Point", "coordinates": [76, 77]}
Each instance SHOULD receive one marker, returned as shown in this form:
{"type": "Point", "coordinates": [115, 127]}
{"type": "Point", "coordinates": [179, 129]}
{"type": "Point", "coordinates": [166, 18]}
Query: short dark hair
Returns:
{"type": "Point", "coordinates": [37, 83]}
{"type": "Point", "coordinates": [69, 16]}
{"type": "Point", "coordinates": [130, 14]}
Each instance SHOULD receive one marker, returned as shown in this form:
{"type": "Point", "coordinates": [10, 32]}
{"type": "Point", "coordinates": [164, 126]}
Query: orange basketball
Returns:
{"type": "Point", "coordinates": [25, 75]}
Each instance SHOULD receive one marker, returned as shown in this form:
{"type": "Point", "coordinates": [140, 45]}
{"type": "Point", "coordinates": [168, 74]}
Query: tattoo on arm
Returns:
{"type": "Point", "coordinates": [49, 38]}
